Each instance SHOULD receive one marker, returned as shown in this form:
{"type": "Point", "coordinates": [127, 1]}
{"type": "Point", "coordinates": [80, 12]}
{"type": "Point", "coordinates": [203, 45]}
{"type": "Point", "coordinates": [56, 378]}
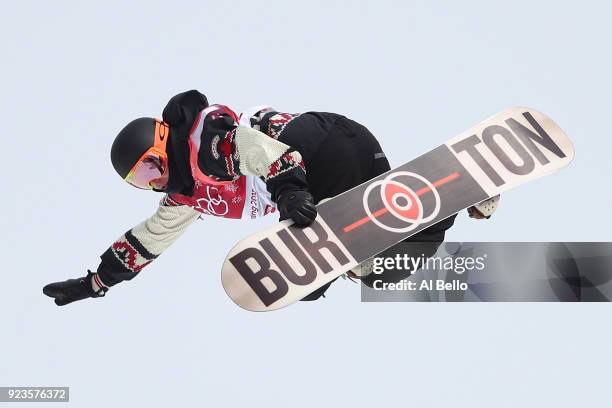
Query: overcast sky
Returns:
{"type": "Point", "coordinates": [415, 73]}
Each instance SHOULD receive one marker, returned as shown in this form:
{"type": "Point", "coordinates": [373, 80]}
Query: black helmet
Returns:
{"type": "Point", "coordinates": [139, 153]}
{"type": "Point", "coordinates": [131, 143]}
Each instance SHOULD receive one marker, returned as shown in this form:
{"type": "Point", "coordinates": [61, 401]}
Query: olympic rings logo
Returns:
{"type": "Point", "coordinates": [213, 205]}
{"type": "Point", "coordinates": [401, 201]}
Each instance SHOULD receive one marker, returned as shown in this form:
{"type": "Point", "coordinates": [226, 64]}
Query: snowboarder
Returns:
{"type": "Point", "coordinates": [207, 160]}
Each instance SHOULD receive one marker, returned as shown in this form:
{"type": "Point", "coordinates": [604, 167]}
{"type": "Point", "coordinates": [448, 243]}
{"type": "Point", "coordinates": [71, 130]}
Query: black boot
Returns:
{"type": "Point", "coordinates": [72, 290]}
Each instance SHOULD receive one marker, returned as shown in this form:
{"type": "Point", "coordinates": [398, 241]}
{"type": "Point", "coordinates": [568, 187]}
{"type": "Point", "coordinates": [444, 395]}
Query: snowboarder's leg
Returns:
{"type": "Point", "coordinates": [349, 156]}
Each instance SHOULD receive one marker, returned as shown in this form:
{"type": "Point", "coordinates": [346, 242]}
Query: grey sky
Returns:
{"type": "Point", "coordinates": [415, 73]}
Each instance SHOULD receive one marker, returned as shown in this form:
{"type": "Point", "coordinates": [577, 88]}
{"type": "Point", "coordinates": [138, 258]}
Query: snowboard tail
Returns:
{"type": "Point", "coordinates": [284, 263]}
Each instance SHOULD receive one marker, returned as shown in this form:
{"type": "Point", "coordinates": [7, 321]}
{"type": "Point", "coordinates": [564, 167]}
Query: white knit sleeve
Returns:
{"type": "Point", "coordinates": [258, 151]}
{"type": "Point", "coordinates": [164, 227]}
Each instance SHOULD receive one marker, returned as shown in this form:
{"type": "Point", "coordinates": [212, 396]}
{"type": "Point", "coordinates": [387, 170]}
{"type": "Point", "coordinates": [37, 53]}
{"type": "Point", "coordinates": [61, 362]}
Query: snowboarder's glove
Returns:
{"type": "Point", "coordinates": [72, 290]}
{"type": "Point", "coordinates": [484, 209]}
{"type": "Point", "coordinates": [297, 205]}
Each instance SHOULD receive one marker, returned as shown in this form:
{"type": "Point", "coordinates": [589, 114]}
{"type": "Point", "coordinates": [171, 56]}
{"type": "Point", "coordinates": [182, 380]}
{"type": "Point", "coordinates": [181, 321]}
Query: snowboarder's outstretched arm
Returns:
{"type": "Point", "coordinates": [142, 244]}
{"type": "Point", "coordinates": [128, 255]}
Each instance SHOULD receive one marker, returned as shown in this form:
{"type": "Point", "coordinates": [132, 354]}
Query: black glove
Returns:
{"type": "Point", "coordinates": [72, 290]}
{"type": "Point", "coordinates": [297, 205]}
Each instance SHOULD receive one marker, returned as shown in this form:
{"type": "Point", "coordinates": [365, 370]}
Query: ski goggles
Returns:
{"type": "Point", "coordinates": [151, 170]}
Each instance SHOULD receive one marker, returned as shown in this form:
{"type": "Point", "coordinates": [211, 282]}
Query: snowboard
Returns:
{"type": "Point", "coordinates": [282, 264]}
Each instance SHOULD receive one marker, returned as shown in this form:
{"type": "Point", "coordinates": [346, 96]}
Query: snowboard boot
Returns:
{"type": "Point", "coordinates": [72, 290]}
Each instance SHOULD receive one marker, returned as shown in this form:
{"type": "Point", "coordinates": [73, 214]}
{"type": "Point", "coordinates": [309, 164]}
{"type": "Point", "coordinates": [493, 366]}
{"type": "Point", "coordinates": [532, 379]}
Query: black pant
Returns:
{"type": "Point", "coordinates": [348, 157]}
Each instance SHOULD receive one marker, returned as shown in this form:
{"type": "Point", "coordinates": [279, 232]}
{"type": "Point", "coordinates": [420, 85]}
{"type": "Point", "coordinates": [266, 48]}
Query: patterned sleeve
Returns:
{"type": "Point", "coordinates": [139, 246]}
{"type": "Point", "coordinates": [228, 150]}
{"type": "Point", "coordinates": [280, 166]}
